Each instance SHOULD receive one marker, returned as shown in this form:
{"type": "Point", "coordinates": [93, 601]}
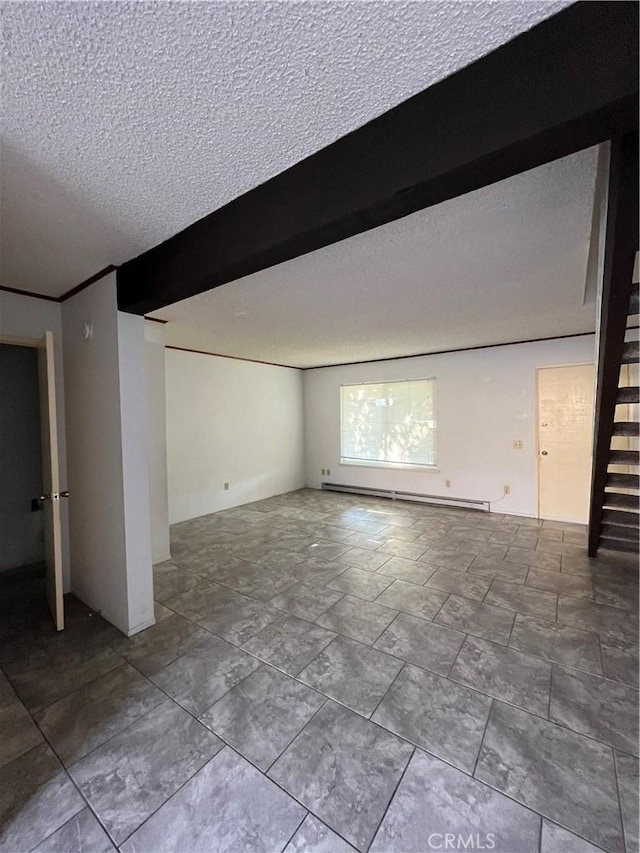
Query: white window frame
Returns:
{"type": "Point", "coordinates": [389, 464]}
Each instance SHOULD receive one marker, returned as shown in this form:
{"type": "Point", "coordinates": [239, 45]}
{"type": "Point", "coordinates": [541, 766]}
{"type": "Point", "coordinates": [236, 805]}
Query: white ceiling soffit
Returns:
{"type": "Point", "coordinates": [505, 263]}
{"type": "Point", "coordinates": [122, 123]}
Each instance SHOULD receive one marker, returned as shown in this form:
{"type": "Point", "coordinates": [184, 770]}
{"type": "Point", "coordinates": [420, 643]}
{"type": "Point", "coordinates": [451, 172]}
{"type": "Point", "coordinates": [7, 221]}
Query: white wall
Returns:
{"type": "Point", "coordinates": [485, 399]}
{"type": "Point", "coordinates": [21, 529]}
{"type": "Point", "coordinates": [134, 421]}
{"type": "Point", "coordinates": [27, 317]}
{"type": "Point", "coordinates": [230, 421]}
{"type": "Point", "coordinates": [105, 384]}
{"type": "Point", "coordinates": [157, 440]}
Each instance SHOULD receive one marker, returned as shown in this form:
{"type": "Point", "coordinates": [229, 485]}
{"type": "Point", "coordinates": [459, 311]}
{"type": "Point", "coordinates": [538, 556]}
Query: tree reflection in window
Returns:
{"type": "Point", "coordinates": [390, 423]}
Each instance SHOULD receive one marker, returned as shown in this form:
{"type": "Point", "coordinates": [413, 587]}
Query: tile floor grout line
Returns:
{"type": "Point", "coordinates": [293, 797]}
{"type": "Point", "coordinates": [622, 821]}
{"type": "Point", "coordinates": [600, 653]}
{"type": "Point", "coordinates": [391, 799]}
{"type": "Point", "coordinates": [299, 732]}
{"type": "Point", "coordinates": [560, 663]}
{"type": "Point", "coordinates": [226, 743]}
{"type": "Point", "coordinates": [295, 831]}
{"type": "Point", "coordinates": [553, 665]}
{"type": "Point", "coordinates": [462, 645]}
{"type": "Point", "coordinates": [513, 625]}
{"type": "Point", "coordinates": [484, 734]}
{"type": "Point", "coordinates": [31, 711]}
{"type": "Point", "coordinates": [132, 723]}
{"type": "Point", "coordinates": [93, 812]}
{"type": "Point", "coordinates": [73, 817]}
{"type": "Point", "coordinates": [503, 793]}
{"type": "Point", "coordinates": [437, 613]}
{"type": "Point", "coordinates": [65, 770]}
{"type": "Point", "coordinates": [386, 628]}
{"type": "Point", "coordinates": [557, 723]}
{"type": "Point", "coordinates": [311, 621]}
{"type": "Point", "coordinates": [542, 815]}
{"type": "Point", "coordinates": [540, 832]}
{"type": "Point", "coordinates": [190, 648]}
{"type": "Point", "coordinates": [224, 746]}
{"type": "Point", "coordinates": [224, 695]}
{"type": "Point", "coordinates": [250, 653]}
{"type": "Point", "coordinates": [508, 702]}
{"type": "Point", "coordinates": [38, 708]}
{"type": "Point", "coordinates": [395, 678]}
{"type": "Point", "coordinates": [72, 763]}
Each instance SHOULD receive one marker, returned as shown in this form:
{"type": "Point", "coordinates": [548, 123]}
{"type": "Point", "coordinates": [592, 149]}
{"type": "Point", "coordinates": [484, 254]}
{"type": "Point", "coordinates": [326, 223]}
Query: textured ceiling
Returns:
{"type": "Point", "coordinates": [124, 122]}
{"type": "Point", "coordinates": [505, 263]}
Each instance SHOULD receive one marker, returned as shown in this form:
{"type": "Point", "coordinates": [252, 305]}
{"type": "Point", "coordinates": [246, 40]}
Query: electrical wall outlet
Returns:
{"type": "Point", "coordinates": [447, 483]}
{"type": "Point", "coordinates": [518, 444]}
{"type": "Point", "coordinates": [507, 490]}
{"type": "Point", "coordinates": [226, 487]}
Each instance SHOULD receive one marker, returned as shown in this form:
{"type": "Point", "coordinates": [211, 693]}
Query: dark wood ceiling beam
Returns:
{"type": "Point", "coordinates": [569, 83]}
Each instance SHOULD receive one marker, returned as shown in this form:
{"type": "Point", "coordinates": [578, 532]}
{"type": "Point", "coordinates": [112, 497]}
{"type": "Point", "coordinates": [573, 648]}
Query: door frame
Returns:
{"type": "Point", "coordinates": [41, 344]}
{"type": "Point", "coordinates": [11, 340]}
{"type": "Point", "coordinates": [552, 367]}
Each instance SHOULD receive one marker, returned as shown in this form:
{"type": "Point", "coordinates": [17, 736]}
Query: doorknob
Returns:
{"type": "Point", "coordinates": [64, 494]}
{"type": "Point", "coordinates": [54, 497]}
{"type": "Point", "coordinates": [44, 498]}
{"type": "Point", "coordinates": [543, 453]}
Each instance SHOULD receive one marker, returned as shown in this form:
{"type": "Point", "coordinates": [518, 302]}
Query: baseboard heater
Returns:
{"type": "Point", "coordinates": [392, 494]}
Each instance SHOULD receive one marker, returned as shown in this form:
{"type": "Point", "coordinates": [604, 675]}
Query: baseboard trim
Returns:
{"type": "Point", "coordinates": [416, 497]}
{"type": "Point", "coordinates": [563, 520]}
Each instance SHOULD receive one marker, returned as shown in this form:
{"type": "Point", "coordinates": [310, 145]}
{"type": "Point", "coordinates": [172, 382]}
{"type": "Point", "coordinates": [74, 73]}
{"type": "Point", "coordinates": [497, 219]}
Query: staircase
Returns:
{"type": "Point", "coordinates": [620, 519]}
{"type": "Point", "coordinates": [614, 518]}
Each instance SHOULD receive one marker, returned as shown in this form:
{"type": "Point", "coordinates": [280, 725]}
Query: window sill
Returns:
{"type": "Point", "coordinates": [391, 466]}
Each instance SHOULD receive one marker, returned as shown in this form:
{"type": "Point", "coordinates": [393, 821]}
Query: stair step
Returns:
{"type": "Point", "coordinates": [630, 394]}
{"type": "Point", "coordinates": [624, 481]}
{"type": "Point", "coordinates": [615, 499]}
{"type": "Point", "coordinates": [615, 531]}
{"type": "Point", "coordinates": [631, 352]}
{"type": "Point", "coordinates": [617, 544]}
{"type": "Point", "coordinates": [621, 518]}
{"type": "Point", "coordinates": [630, 428]}
{"type": "Point", "coordinates": [634, 301]}
{"type": "Point", "coordinates": [624, 457]}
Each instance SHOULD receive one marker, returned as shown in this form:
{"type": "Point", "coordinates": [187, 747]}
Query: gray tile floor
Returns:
{"type": "Point", "coordinates": [330, 673]}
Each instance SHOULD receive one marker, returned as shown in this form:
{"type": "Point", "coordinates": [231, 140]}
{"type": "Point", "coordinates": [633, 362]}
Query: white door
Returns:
{"type": "Point", "coordinates": [51, 480]}
{"type": "Point", "coordinates": [565, 436]}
